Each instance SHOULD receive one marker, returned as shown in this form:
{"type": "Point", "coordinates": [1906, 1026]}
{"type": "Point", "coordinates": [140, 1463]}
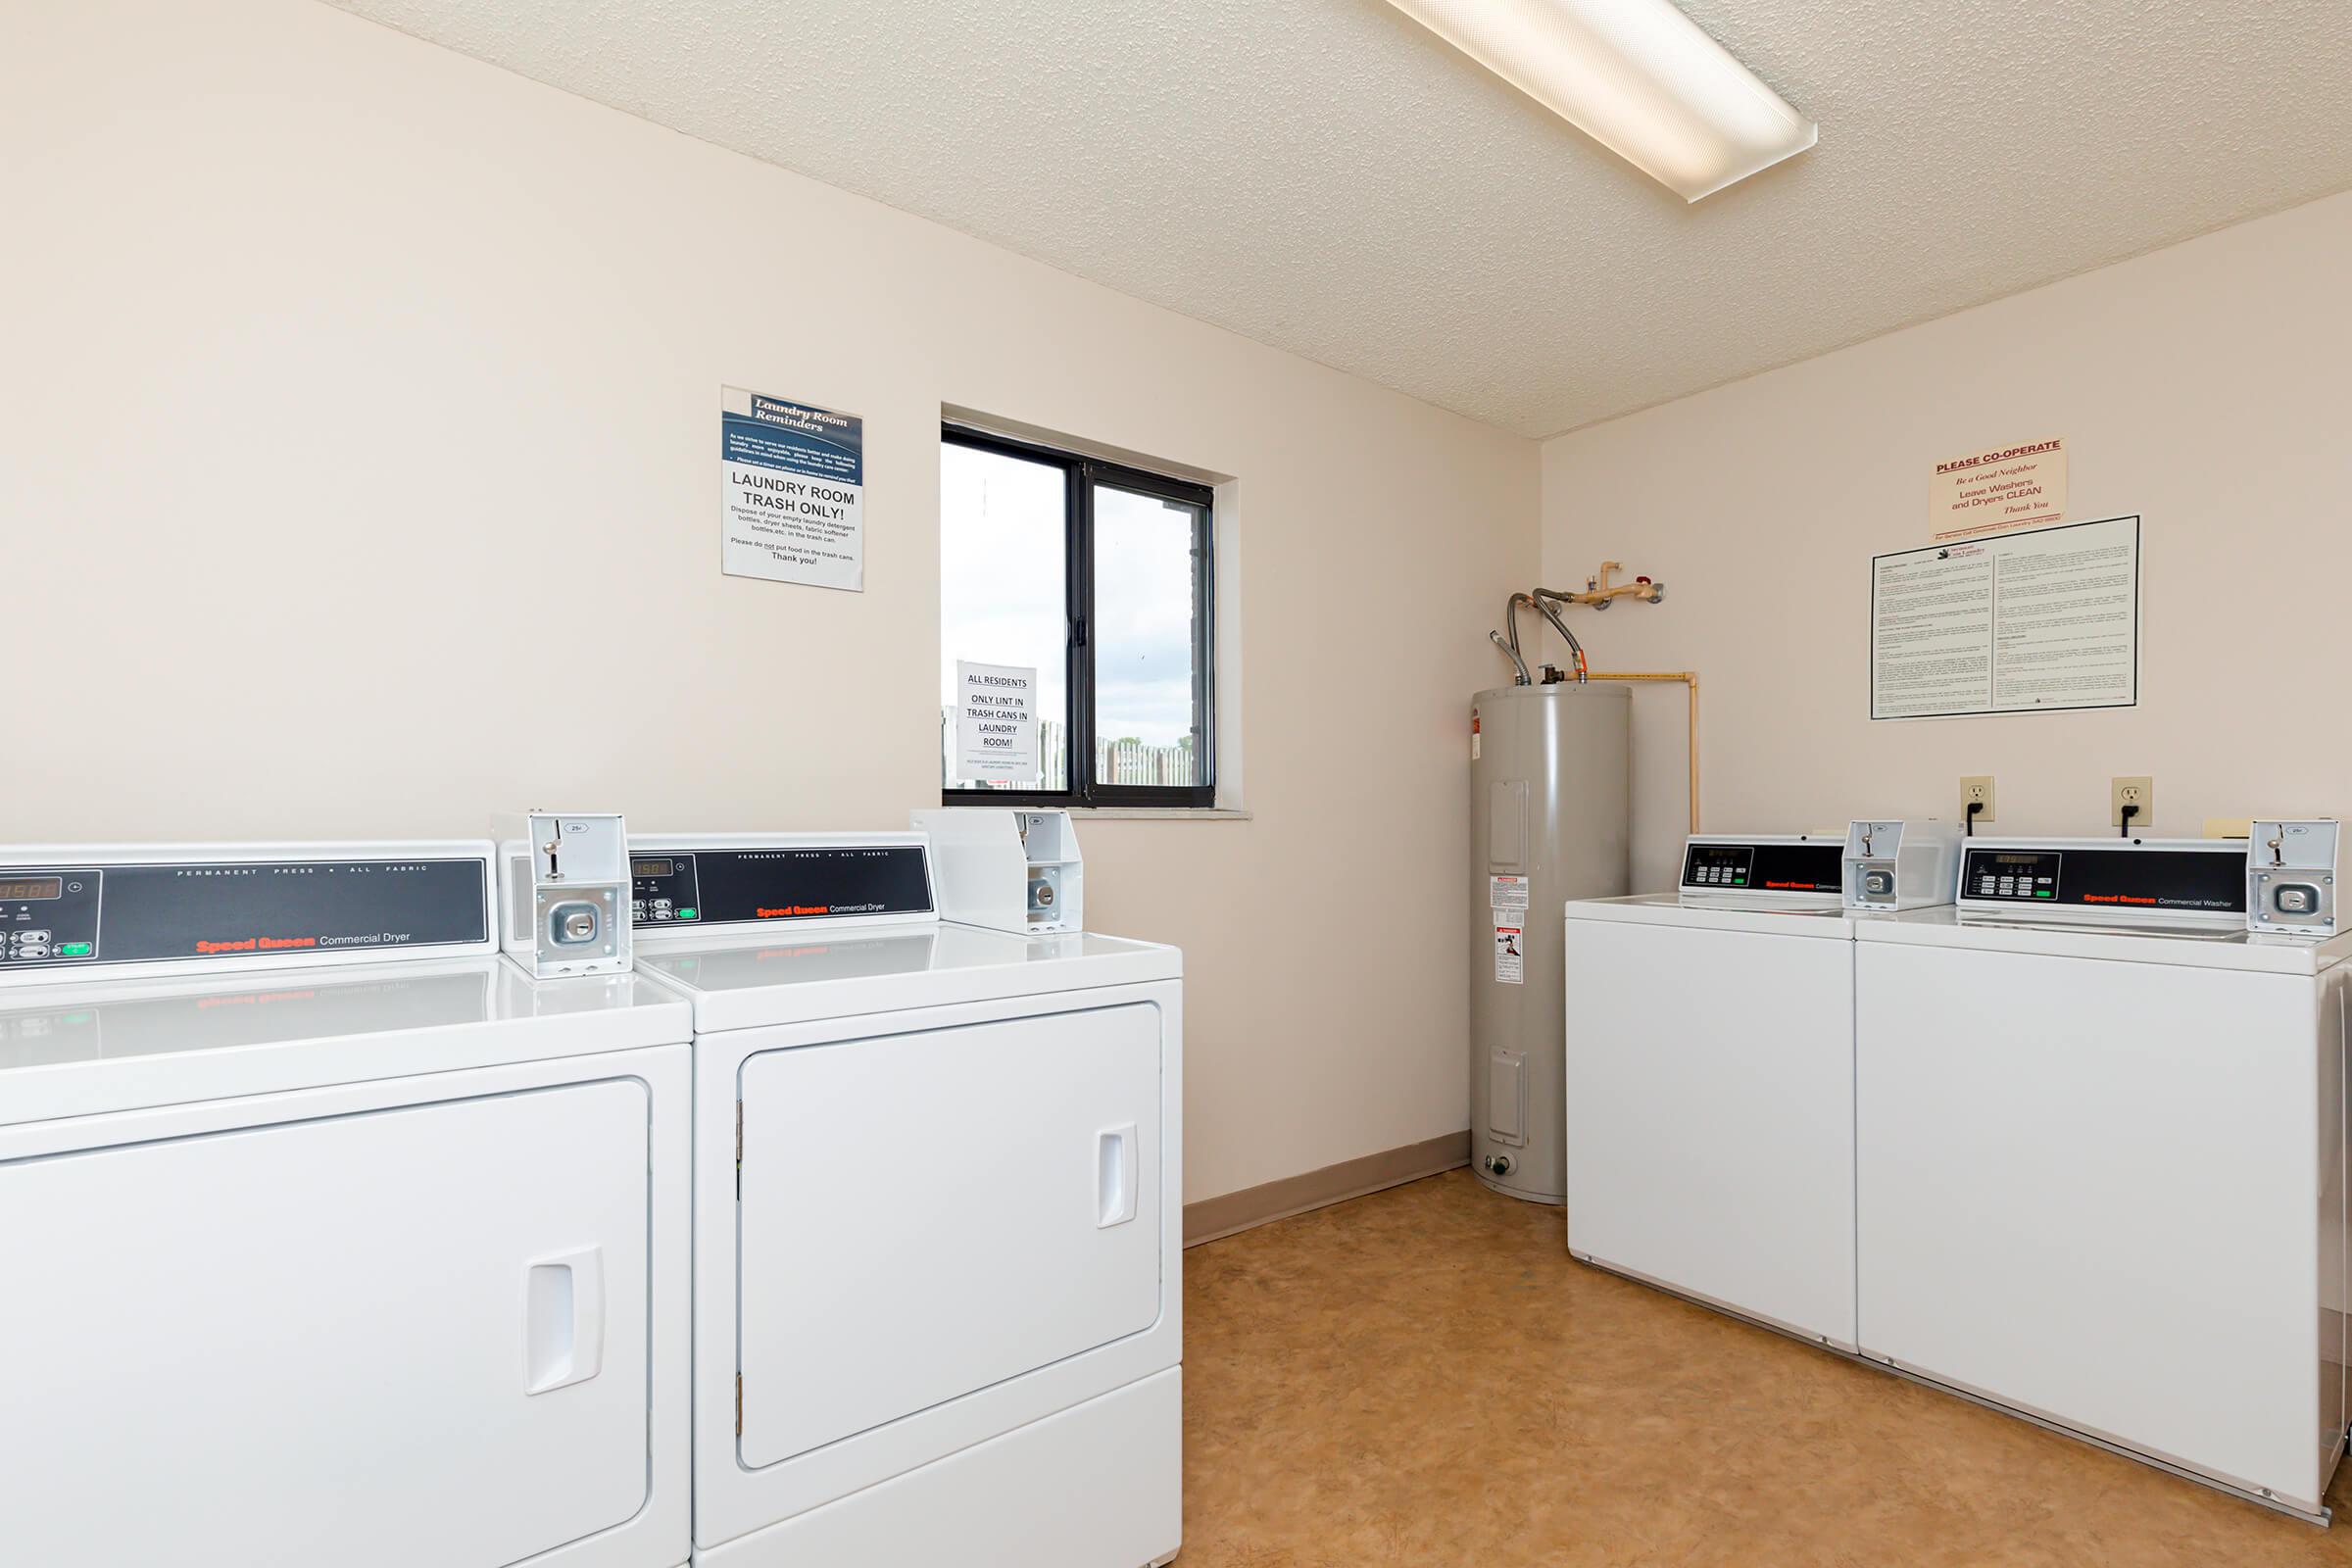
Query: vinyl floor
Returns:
{"type": "Point", "coordinates": [1424, 1377]}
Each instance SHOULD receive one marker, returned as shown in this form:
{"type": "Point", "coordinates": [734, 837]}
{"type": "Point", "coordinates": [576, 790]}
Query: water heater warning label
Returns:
{"type": "Point", "coordinates": [1508, 895]}
{"type": "Point", "coordinates": [1510, 957]}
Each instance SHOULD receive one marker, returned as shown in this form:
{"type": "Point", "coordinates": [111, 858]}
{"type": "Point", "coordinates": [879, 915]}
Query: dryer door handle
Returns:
{"type": "Point", "coordinates": [563, 1320]}
{"type": "Point", "coordinates": [1114, 1176]}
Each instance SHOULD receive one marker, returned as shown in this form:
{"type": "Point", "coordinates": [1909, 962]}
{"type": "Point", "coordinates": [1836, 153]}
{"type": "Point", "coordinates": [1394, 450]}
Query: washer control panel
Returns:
{"type": "Point", "coordinates": [2122, 880]}
{"type": "Point", "coordinates": [2018, 875]}
{"type": "Point", "coordinates": [236, 912]}
{"type": "Point", "coordinates": [1719, 865]}
{"type": "Point", "coordinates": [1775, 867]}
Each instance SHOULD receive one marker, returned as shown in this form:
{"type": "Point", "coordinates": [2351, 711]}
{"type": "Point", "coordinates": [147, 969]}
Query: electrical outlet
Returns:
{"type": "Point", "coordinates": [2139, 792]}
{"type": "Point", "coordinates": [1976, 787]}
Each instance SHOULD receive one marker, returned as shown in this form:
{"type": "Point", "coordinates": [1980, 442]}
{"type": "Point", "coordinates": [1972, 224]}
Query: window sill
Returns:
{"type": "Point", "coordinates": [1162, 813]}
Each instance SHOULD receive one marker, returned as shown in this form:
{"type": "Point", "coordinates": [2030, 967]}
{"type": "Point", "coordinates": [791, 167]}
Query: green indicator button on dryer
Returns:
{"type": "Point", "coordinates": [73, 950]}
{"type": "Point", "coordinates": [686, 914]}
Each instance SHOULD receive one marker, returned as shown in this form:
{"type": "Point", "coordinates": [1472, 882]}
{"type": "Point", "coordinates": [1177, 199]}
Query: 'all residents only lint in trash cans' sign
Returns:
{"type": "Point", "coordinates": [791, 492]}
{"type": "Point", "coordinates": [996, 722]}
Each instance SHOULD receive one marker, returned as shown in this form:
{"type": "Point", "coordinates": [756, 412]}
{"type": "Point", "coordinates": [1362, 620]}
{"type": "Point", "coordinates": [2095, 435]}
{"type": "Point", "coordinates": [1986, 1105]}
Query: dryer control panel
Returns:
{"type": "Point", "coordinates": [2115, 880]}
{"type": "Point", "coordinates": [684, 883]}
{"type": "Point", "coordinates": [236, 911]}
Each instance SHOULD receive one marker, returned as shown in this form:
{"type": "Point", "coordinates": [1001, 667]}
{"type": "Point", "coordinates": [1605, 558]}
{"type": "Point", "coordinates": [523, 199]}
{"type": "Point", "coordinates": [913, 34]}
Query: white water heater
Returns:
{"type": "Point", "coordinates": [1549, 785]}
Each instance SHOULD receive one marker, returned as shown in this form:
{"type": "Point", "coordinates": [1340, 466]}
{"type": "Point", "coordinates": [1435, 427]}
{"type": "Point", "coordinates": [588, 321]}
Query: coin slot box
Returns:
{"type": "Point", "coordinates": [1009, 869]}
{"type": "Point", "coordinates": [566, 887]}
{"type": "Point", "coordinates": [2290, 878]}
{"type": "Point", "coordinates": [1896, 864]}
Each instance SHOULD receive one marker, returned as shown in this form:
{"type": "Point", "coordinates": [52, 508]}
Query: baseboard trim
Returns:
{"type": "Point", "coordinates": [1252, 1207]}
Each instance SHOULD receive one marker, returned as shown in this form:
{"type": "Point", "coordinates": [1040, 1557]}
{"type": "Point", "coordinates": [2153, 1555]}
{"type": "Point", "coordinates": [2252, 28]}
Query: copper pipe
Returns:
{"type": "Point", "coordinates": [1599, 592]}
{"type": "Point", "coordinates": [1689, 679]}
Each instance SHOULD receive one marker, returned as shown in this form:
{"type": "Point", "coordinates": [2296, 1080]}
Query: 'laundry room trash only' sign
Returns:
{"type": "Point", "coordinates": [791, 492]}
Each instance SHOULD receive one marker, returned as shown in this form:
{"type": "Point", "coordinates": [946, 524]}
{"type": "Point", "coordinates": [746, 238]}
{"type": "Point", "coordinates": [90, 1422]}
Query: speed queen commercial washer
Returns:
{"type": "Point", "coordinates": [328, 1236]}
{"type": "Point", "coordinates": [1710, 1083]}
{"type": "Point", "coordinates": [1710, 1055]}
{"type": "Point", "coordinates": [937, 1215]}
{"type": "Point", "coordinates": [2100, 1147]}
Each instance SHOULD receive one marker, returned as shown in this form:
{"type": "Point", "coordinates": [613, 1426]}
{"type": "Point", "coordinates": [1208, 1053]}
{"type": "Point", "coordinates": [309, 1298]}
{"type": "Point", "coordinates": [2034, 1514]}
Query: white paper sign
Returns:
{"type": "Point", "coordinates": [996, 722]}
{"type": "Point", "coordinates": [1510, 954]}
{"type": "Point", "coordinates": [2021, 623]}
{"type": "Point", "coordinates": [791, 492]}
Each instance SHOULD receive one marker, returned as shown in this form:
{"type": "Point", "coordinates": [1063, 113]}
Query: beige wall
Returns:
{"type": "Point", "coordinates": [328, 353]}
{"type": "Point", "coordinates": [2204, 387]}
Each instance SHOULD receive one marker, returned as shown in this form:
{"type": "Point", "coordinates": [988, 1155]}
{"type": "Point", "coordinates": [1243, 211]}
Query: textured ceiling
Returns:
{"type": "Point", "coordinates": [1326, 177]}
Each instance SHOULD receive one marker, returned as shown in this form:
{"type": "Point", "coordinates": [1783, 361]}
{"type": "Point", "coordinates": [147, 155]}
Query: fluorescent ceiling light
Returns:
{"type": "Point", "coordinates": [1636, 76]}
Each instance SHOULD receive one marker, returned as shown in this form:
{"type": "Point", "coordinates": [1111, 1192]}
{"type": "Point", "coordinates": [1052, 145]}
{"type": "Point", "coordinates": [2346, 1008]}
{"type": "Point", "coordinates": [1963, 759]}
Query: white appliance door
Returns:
{"type": "Point", "coordinates": [926, 1215]}
{"type": "Point", "coordinates": [315, 1341]}
{"type": "Point", "coordinates": [1710, 1115]}
{"type": "Point", "coordinates": [2089, 1189]}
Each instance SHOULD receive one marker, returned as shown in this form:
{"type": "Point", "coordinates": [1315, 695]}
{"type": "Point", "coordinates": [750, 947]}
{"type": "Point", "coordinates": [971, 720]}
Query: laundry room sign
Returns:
{"type": "Point", "coordinates": [996, 722]}
{"type": "Point", "coordinates": [2023, 623]}
{"type": "Point", "coordinates": [791, 492]}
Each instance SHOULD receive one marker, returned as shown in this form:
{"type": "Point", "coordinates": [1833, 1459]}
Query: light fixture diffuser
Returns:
{"type": "Point", "coordinates": [1636, 76]}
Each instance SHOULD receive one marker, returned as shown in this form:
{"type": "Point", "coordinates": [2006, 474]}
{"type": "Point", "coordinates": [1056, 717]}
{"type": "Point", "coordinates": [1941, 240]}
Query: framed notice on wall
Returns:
{"type": "Point", "coordinates": [2023, 623]}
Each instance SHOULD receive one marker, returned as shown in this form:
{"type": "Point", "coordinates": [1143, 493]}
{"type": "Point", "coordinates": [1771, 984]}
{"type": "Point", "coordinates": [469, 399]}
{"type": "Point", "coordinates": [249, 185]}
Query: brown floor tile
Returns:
{"type": "Point", "coordinates": [1423, 1377]}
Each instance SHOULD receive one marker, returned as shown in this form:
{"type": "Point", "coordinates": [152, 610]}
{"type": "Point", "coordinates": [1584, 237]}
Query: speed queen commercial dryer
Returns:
{"type": "Point", "coordinates": [326, 1235]}
{"type": "Point", "coordinates": [2100, 1144]}
{"type": "Point", "coordinates": [935, 1215]}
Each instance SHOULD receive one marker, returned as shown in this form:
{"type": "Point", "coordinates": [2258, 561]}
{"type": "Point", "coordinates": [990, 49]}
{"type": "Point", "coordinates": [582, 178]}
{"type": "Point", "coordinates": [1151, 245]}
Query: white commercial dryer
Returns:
{"type": "Point", "coordinates": [329, 1237]}
{"type": "Point", "coordinates": [1710, 1055]}
{"type": "Point", "coordinates": [2100, 1147]}
{"type": "Point", "coordinates": [937, 1215]}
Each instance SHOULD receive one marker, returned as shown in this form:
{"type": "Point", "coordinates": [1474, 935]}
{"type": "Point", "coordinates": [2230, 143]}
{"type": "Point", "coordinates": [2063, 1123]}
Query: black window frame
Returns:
{"type": "Point", "coordinates": [1080, 475]}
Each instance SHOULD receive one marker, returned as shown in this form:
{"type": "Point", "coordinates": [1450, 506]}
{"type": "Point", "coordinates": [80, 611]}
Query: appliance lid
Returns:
{"type": "Point", "coordinates": [2207, 947]}
{"type": "Point", "coordinates": [82, 1048]}
{"type": "Point", "coordinates": [1808, 918]}
{"type": "Point", "coordinates": [788, 976]}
